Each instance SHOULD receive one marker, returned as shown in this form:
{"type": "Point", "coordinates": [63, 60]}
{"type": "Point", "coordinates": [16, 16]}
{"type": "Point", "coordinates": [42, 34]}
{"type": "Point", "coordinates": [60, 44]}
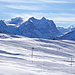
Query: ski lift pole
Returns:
{"type": "Point", "coordinates": [32, 51]}
{"type": "Point", "coordinates": [71, 61]}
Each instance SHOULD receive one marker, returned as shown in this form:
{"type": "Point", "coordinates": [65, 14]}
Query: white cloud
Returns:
{"type": "Point", "coordinates": [12, 1]}
{"type": "Point", "coordinates": [57, 1]}
{"type": "Point", "coordinates": [64, 19]}
{"type": "Point", "coordinates": [9, 0]}
{"type": "Point", "coordinates": [73, 9]}
{"type": "Point", "coordinates": [59, 21]}
{"type": "Point", "coordinates": [56, 15]}
{"type": "Point", "coordinates": [53, 16]}
{"type": "Point", "coordinates": [38, 1]}
{"type": "Point", "coordinates": [21, 1]}
{"type": "Point", "coordinates": [30, 7]}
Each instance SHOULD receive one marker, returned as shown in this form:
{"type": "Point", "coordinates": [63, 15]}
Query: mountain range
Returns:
{"type": "Point", "coordinates": [68, 33]}
{"type": "Point", "coordinates": [35, 28]}
{"type": "Point", "coordinates": [65, 30]}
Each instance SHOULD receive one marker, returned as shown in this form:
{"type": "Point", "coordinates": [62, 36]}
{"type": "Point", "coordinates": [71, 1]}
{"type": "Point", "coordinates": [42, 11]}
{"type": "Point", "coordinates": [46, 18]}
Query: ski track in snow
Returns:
{"type": "Point", "coordinates": [50, 57]}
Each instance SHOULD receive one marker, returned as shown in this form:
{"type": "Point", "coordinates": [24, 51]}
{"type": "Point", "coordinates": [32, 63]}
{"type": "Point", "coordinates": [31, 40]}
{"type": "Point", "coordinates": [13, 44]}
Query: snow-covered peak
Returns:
{"type": "Point", "coordinates": [43, 18]}
{"type": "Point", "coordinates": [1, 20]}
{"type": "Point", "coordinates": [66, 30]}
{"type": "Point", "coordinates": [42, 28]}
{"type": "Point", "coordinates": [32, 18]}
{"type": "Point", "coordinates": [2, 24]}
{"type": "Point", "coordinates": [71, 26]}
{"type": "Point", "coordinates": [16, 21]}
{"type": "Point", "coordinates": [35, 28]}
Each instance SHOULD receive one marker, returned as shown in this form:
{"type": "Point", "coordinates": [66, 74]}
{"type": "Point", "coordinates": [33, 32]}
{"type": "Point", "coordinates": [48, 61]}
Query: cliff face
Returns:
{"type": "Point", "coordinates": [39, 28]}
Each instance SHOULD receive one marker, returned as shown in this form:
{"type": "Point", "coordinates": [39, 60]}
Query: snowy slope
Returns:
{"type": "Point", "coordinates": [50, 57]}
{"type": "Point", "coordinates": [67, 36]}
{"type": "Point", "coordinates": [42, 28]}
{"type": "Point", "coordinates": [65, 30]}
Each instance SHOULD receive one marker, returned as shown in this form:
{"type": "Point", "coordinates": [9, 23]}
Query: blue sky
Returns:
{"type": "Point", "coordinates": [62, 12]}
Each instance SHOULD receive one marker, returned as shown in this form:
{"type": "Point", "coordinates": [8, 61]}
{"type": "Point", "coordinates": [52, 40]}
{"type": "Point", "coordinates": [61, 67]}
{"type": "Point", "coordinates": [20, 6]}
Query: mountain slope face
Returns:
{"type": "Point", "coordinates": [65, 30]}
{"type": "Point", "coordinates": [8, 29]}
{"type": "Point", "coordinates": [68, 36]}
{"type": "Point", "coordinates": [39, 28]}
{"type": "Point", "coordinates": [12, 30]}
{"type": "Point", "coordinates": [3, 26]}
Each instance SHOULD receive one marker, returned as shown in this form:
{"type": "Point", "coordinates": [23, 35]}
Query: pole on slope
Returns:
{"type": "Point", "coordinates": [72, 61]}
{"type": "Point", "coordinates": [32, 52]}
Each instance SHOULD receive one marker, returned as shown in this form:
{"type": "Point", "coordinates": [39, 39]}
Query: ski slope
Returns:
{"type": "Point", "coordinates": [50, 57]}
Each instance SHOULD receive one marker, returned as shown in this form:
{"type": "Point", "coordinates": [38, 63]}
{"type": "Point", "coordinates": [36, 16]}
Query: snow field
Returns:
{"type": "Point", "coordinates": [50, 57]}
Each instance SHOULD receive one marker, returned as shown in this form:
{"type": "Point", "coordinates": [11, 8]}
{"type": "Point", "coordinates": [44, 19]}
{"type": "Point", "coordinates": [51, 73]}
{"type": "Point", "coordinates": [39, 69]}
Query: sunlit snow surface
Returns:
{"type": "Point", "coordinates": [50, 57]}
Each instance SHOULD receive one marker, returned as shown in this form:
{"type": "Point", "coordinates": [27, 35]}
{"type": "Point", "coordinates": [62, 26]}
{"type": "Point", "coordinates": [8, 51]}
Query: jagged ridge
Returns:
{"type": "Point", "coordinates": [33, 28]}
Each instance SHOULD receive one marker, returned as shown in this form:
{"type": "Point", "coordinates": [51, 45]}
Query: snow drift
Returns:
{"type": "Point", "coordinates": [50, 57]}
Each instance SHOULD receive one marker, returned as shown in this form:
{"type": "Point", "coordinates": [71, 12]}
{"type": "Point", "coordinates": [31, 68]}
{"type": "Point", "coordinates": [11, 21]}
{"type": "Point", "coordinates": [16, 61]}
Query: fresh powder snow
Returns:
{"type": "Point", "coordinates": [50, 57]}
